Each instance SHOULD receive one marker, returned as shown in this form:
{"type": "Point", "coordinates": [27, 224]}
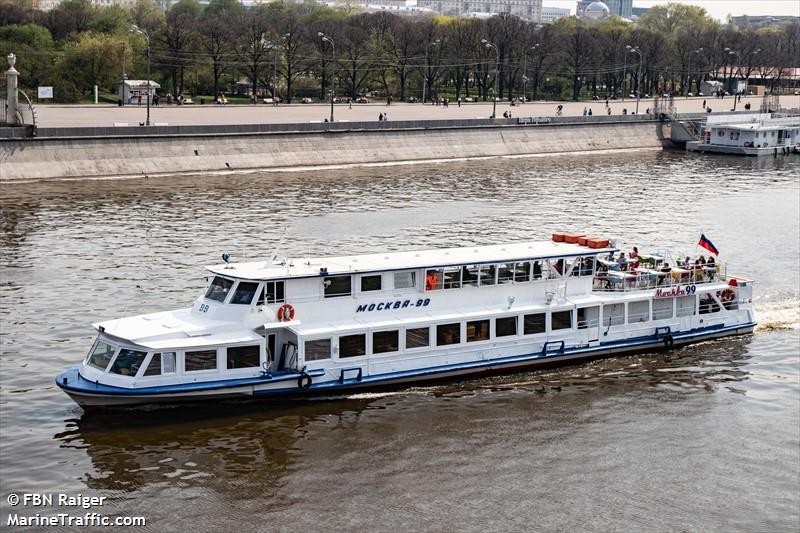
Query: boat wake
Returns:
{"type": "Point", "coordinates": [780, 315]}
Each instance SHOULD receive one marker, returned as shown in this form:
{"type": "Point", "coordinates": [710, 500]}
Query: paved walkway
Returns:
{"type": "Point", "coordinates": [110, 115]}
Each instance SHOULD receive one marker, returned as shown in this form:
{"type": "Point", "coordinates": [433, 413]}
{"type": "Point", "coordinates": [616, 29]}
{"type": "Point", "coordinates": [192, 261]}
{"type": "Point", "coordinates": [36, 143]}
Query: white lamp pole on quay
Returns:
{"type": "Point", "coordinates": [327, 39]}
{"type": "Point", "coordinates": [136, 29]}
{"type": "Point", "coordinates": [489, 45]}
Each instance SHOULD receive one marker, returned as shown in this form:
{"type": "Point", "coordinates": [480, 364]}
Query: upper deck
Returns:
{"type": "Point", "coordinates": [390, 261]}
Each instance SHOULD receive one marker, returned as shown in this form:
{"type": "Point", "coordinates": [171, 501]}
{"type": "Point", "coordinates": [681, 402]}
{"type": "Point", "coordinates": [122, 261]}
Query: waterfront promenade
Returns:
{"type": "Point", "coordinates": [173, 115]}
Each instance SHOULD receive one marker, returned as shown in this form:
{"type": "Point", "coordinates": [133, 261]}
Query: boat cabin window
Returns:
{"type": "Point", "coordinates": [469, 275]}
{"type": "Point", "coordinates": [352, 345]}
{"type": "Point", "coordinates": [708, 304]}
{"type": "Point", "coordinates": [161, 363]}
{"type": "Point", "coordinates": [505, 273]}
{"type": "Point", "coordinates": [662, 308]}
{"type": "Point", "coordinates": [385, 341]}
{"type": "Point", "coordinates": [371, 283]}
{"type": "Point", "coordinates": [128, 362]}
{"type": "Point", "coordinates": [245, 291]}
{"type": "Point", "coordinates": [638, 312]}
{"type": "Point", "coordinates": [336, 286]}
{"type": "Point", "coordinates": [434, 279]}
{"type": "Point", "coordinates": [317, 349]}
{"type": "Point", "coordinates": [556, 268]}
{"type": "Point", "coordinates": [405, 280]}
{"type": "Point", "coordinates": [686, 305]}
{"type": "Point", "coordinates": [537, 269]}
{"type": "Point", "coordinates": [478, 330]}
{"type": "Point", "coordinates": [219, 288]}
{"type": "Point", "coordinates": [448, 334]}
{"type": "Point", "coordinates": [561, 320]}
{"type": "Point", "coordinates": [533, 324]}
{"type": "Point", "coordinates": [417, 338]}
{"type": "Point", "coordinates": [522, 272]}
{"type": "Point", "coordinates": [588, 317]}
{"type": "Point", "coordinates": [101, 355]}
{"type": "Point", "coordinates": [505, 327]}
{"type": "Point", "coordinates": [613, 314]}
{"type": "Point", "coordinates": [200, 360]}
{"type": "Point", "coordinates": [243, 357]}
{"type": "Point", "coordinates": [273, 293]}
{"type": "Point", "coordinates": [488, 274]}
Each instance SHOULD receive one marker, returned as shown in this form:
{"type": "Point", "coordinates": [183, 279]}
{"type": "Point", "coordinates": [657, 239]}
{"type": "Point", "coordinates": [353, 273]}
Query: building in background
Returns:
{"type": "Point", "coordinates": [761, 21]}
{"type": "Point", "coordinates": [638, 11]}
{"type": "Point", "coordinates": [551, 14]}
{"type": "Point", "coordinates": [526, 9]}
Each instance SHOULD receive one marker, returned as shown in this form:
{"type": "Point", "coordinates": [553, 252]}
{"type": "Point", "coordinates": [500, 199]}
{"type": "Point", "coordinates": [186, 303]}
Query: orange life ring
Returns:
{"type": "Point", "coordinates": [286, 313]}
{"type": "Point", "coordinates": [727, 296]}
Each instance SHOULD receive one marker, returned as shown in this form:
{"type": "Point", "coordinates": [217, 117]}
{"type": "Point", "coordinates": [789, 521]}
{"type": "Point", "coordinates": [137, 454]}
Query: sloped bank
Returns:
{"type": "Point", "coordinates": [101, 152]}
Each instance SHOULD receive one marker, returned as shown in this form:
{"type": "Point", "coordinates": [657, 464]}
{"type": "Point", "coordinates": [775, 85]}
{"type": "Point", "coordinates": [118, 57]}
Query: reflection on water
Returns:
{"type": "Point", "coordinates": [705, 437]}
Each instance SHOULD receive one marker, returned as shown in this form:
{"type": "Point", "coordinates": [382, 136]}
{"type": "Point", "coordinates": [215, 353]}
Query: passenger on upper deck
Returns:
{"type": "Point", "coordinates": [623, 262]}
{"type": "Point", "coordinates": [634, 254]}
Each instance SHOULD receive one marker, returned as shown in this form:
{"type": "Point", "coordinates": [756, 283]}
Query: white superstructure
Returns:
{"type": "Point", "coordinates": [750, 134]}
{"type": "Point", "coordinates": [304, 325]}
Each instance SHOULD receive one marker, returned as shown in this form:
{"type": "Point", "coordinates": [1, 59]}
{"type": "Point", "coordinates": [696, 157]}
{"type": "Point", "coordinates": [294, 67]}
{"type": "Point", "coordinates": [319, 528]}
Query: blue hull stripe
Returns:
{"type": "Point", "coordinates": [78, 384]}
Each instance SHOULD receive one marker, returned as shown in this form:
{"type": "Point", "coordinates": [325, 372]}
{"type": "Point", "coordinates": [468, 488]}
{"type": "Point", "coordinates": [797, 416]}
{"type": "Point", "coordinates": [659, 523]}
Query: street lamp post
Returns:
{"type": "Point", "coordinates": [489, 45]}
{"type": "Point", "coordinates": [739, 60]}
{"type": "Point", "coordinates": [625, 71]}
{"type": "Point", "coordinates": [689, 72]}
{"type": "Point", "coordinates": [635, 50]}
{"type": "Point", "coordinates": [525, 71]}
{"type": "Point", "coordinates": [327, 39]}
{"type": "Point", "coordinates": [425, 77]}
{"type": "Point", "coordinates": [136, 29]}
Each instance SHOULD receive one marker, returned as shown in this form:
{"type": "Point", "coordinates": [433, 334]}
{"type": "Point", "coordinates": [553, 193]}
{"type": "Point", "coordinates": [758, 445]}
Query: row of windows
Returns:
{"type": "Point", "coordinates": [355, 345]}
{"type": "Point", "coordinates": [220, 288]}
{"type": "Point", "coordinates": [128, 362]}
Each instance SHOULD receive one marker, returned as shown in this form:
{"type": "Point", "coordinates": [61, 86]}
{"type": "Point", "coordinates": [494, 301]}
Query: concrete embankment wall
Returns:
{"type": "Point", "coordinates": [67, 155]}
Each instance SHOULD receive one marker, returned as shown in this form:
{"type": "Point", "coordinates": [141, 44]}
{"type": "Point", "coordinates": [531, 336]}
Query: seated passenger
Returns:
{"type": "Point", "coordinates": [634, 254]}
{"type": "Point", "coordinates": [623, 263]}
{"type": "Point", "coordinates": [430, 281]}
{"type": "Point", "coordinates": [687, 262]}
{"type": "Point", "coordinates": [697, 270]}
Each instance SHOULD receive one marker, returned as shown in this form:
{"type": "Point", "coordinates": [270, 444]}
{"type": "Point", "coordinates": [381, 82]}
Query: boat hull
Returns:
{"type": "Point", "coordinates": [90, 396]}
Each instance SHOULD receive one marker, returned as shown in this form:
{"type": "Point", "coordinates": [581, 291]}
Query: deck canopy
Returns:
{"type": "Point", "coordinates": [383, 262]}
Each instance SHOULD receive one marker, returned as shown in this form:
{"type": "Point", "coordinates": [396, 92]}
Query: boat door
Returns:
{"type": "Point", "coordinates": [270, 349]}
{"type": "Point", "coordinates": [589, 324]}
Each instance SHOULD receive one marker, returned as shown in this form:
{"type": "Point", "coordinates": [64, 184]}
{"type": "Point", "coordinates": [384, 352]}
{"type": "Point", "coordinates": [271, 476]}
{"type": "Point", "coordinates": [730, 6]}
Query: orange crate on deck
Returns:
{"type": "Point", "coordinates": [584, 241]}
{"type": "Point", "coordinates": [597, 243]}
{"type": "Point", "coordinates": [572, 238]}
{"type": "Point", "coordinates": [558, 237]}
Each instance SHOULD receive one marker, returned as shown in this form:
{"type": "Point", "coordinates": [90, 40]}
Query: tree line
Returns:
{"type": "Point", "coordinates": [297, 49]}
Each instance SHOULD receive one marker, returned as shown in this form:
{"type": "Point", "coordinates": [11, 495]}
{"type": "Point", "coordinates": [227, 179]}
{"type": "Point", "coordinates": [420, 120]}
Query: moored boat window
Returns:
{"type": "Point", "coordinates": [505, 327]}
{"type": "Point", "coordinates": [417, 338]}
{"type": "Point", "coordinates": [244, 293]}
{"type": "Point", "coordinates": [243, 357]}
{"type": "Point", "coordinates": [522, 271]}
{"type": "Point", "coordinates": [317, 349]}
{"type": "Point", "coordinates": [161, 363]}
{"type": "Point", "coordinates": [613, 314]}
{"type": "Point", "coordinates": [662, 308]}
{"type": "Point", "coordinates": [219, 288]}
{"type": "Point", "coordinates": [638, 311]}
{"type": "Point", "coordinates": [385, 341]}
{"type": "Point", "coordinates": [448, 334]}
{"type": "Point", "coordinates": [405, 280]}
{"type": "Point", "coordinates": [588, 317]}
{"type": "Point", "coordinates": [101, 355]}
{"type": "Point", "coordinates": [555, 268]}
{"type": "Point", "coordinates": [686, 305]}
{"type": "Point", "coordinates": [336, 286]}
{"type": "Point", "coordinates": [478, 330]}
{"type": "Point", "coordinates": [587, 266]}
{"type": "Point", "coordinates": [533, 324]}
{"type": "Point", "coordinates": [505, 273]}
{"type": "Point", "coordinates": [537, 269]}
{"type": "Point", "coordinates": [200, 360]}
{"type": "Point", "coordinates": [708, 304]}
{"type": "Point", "coordinates": [352, 345]}
{"type": "Point", "coordinates": [371, 283]}
{"type": "Point", "coordinates": [561, 320]}
{"type": "Point", "coordinates": [128, 362]}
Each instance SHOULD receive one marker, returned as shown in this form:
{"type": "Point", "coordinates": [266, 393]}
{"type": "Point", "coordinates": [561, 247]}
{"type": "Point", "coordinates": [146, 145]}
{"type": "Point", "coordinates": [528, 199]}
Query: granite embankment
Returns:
{"type": "Point", "coordinates": [55, 153]}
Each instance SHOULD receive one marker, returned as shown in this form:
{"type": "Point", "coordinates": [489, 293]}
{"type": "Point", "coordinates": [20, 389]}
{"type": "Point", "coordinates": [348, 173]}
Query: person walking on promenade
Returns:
{"type": "Point", "coordinates": [459, 101]}
{"type": "Point", "coordinates": [380, 117]}
{"type": "Point", "coordinates": [590, 112]}
{"type": "Point", "coordinates": [584, 112]}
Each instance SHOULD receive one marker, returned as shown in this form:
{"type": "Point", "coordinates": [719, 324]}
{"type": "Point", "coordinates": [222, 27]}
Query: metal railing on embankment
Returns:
{"type": "Point", "coordinates": [317, 127]}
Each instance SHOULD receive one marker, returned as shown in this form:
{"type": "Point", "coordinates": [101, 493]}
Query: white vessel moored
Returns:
{"type": "Point", "coordinates": [750, 134]}
{"type": "Point", "coordinates": [309, 325]}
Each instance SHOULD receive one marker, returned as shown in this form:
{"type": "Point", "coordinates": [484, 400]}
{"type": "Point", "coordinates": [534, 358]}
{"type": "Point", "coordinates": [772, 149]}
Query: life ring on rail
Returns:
{"type": "Point", "coordinates": [727, 296]}
{"type": "Point", "coordinates": [304, 381]}
{"type": "Point", "coordinates": [669, 342]}
{"type": "Point", "coordinates": [286, 313]}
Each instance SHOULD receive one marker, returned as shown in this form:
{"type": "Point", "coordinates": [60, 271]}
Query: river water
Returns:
{"type": "Point", "coordinates": [702, 438]}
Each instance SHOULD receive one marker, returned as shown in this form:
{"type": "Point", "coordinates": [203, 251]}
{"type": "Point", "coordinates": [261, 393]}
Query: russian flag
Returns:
{"type": "Point", "coordinates": [707, 244]}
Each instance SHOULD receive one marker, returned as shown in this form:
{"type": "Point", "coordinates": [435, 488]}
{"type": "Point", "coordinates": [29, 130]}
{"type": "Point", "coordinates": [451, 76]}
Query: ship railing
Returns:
{"type": "Point", "coordinates": [646, 278]}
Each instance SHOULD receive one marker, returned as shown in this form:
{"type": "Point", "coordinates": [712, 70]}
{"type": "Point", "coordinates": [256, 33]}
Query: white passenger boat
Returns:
{"type": "Point", "coordinates": [296, 327]}
{"type": "Point", "coordinates": [750, 134]}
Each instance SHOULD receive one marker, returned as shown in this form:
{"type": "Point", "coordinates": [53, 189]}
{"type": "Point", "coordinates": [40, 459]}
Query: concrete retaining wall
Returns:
{"type": "Point", "coordinates": [71, 156]}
